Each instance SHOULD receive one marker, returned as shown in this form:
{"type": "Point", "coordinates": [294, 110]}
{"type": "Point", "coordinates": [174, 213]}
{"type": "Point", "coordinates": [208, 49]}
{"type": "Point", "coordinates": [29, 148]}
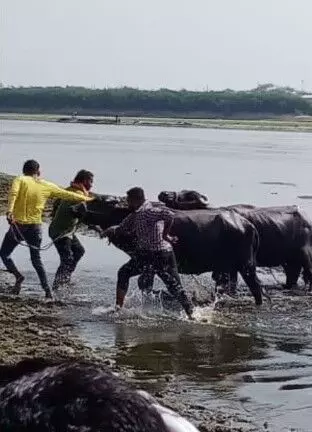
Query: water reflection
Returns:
{"type": "Point", "coordinates": [201, 354]}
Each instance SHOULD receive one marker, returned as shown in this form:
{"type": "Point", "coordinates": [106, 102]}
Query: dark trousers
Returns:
{"type": "Point", "coordinates": [147, 264]}
{"type": "Point", "coordinates": [32, 234]}
{"type": "Point", "coordinates": [70, 251]}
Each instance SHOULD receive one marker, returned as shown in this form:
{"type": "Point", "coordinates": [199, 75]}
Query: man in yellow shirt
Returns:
{"type": "Point", "coordinates": [27, 199]}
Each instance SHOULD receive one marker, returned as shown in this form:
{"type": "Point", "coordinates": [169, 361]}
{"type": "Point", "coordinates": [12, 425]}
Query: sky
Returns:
{"type": "Point", "coordinates": [191, 44]}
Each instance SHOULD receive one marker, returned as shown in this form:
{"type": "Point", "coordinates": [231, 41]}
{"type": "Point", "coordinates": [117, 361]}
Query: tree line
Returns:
{"type": "Point", "coordinates": [265, 99]}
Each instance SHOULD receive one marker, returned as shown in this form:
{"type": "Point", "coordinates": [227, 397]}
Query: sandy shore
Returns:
{"type": "Point", "coordinates": [283, 124]}
{"type": "Point", "coordinates": [38, 329]}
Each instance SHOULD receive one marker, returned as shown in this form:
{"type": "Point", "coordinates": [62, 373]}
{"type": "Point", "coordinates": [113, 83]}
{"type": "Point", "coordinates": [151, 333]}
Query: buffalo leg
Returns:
{"type": "Point", "coordinates": [305, 277]}
{"type": "Point", "coordinates": [292, 271]}
{"type": "Point", "coordinates": [250, 277]}
{"type": "Point", "coordinates": [226, 279]}
{"type": "Point", "coordinates": [232, 282]}
{"type": "Point", "coordinates": [306, 255]}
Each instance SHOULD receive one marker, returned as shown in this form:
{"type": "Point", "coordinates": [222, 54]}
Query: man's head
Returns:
{"type": "Point", "coordinates": [31, 168]}
{"type": "Point", "coordinates": [135, 198]}
{"type": "Point", "coordinates": [84, 178]}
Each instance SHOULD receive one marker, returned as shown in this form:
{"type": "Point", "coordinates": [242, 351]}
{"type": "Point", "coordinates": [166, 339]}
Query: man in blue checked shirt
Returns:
{"type": "Point", "coordinates": [151, 226]}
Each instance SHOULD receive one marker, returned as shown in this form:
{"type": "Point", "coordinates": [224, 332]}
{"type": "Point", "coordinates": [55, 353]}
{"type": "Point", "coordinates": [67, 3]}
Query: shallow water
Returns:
{"type": "Point", "coordinates": [255, 363]}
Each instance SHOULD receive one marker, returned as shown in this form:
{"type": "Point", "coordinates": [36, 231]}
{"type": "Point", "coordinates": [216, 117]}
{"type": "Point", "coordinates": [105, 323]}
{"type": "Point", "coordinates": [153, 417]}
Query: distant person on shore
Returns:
{"type": "Point", "coordinates": [27, 199]}
{"type": "Point", "coordinates": [151, 226]}
{"type": "Point", "coordinates": [68, 246]}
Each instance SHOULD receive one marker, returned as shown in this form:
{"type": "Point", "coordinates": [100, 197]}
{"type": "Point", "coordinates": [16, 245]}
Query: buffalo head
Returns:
{"type": "Point", "coordinates": [104, 211]}
{"type": "Point", "coordinates": [124, 242]}
{"type": "Point", "coordinates": [183, 200]}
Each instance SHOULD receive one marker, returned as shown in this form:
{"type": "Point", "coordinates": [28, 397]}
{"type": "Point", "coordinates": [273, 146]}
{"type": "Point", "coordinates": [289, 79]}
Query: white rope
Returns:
{"type": "Point", "coordinates": [274, 277]}
{"type": "Point", "coordinates": [199, 283]}
{"type": "Point", "coordinates": [24, 243]}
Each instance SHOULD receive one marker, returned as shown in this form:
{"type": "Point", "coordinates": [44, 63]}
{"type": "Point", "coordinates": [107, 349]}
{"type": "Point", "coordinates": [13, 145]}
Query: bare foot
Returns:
{"type": "Point", "coordinates": [18, 285]}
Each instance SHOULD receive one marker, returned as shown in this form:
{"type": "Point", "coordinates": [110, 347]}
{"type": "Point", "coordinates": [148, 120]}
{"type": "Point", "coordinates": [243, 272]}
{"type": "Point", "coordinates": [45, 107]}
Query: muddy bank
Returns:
{"type": "Point", "coordinates": [285, 124]}
{"type": "Point", "coordinates": [34, 329]}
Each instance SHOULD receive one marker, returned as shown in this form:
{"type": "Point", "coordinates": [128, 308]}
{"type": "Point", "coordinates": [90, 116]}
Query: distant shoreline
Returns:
{"type": "Point", "coordinates": [287, 124]}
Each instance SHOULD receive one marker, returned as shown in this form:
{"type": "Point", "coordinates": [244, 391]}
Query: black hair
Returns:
{"type": "Point", "coordinates": [136, 193]}
{"type": "Point", "coordinates": [83, 175]}
{"type": "Point", "coordinates": [31, 167]}
{"type": "Point", "coordinates": [85, 394]}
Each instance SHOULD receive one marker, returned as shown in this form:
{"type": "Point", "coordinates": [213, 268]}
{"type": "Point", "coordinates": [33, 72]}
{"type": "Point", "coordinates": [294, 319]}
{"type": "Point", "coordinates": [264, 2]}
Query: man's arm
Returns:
{"type": "Point", "coordinates": [168, 218]}
{"type": "Point", "coordinates": [15, 187]}
{"type": "Point", "coordinates": [126, 227]}
{"type": "Point", "coordinates": [57, 192]}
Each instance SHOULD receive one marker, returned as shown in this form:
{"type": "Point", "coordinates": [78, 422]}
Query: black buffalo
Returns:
{"type": "Point", "coordinates": [184, 200]}
{"type": "Point", "coordinates": [285, 240]}
{"type": "Point", "coordinates": [209, 241]}
{"type": "Point", "coordinates": [41, 397]}
{"type": "Point", "coordinates": [285, 234]}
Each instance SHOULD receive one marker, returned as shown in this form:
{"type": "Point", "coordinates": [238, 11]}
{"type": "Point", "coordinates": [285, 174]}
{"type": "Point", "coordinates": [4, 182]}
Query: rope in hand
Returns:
{"type": "Point", "coordinates": [20, 239]}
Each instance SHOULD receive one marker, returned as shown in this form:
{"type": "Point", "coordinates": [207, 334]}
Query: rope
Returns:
{"type": "Point", "coordinates": [199, 283]}
{"type": "Point", "coordinates": [24, 243]}
{"type": "Point", "coordinates": [274, 277]}
{"type": "Point", "coordinates": [203, 286]}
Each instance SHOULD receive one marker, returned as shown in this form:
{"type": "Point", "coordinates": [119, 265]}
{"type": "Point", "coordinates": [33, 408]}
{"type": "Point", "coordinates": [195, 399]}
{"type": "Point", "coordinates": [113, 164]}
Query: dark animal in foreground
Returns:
{"type": "Point", "coordinates": [221, 241]}
{"type": "Point", "coordinates": [285, 234]}
{"type": "Point", "coordinates": [78, 397]}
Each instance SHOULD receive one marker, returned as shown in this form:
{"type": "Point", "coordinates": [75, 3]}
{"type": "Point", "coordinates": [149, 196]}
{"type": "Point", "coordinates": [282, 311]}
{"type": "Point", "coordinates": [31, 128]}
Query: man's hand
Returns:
{"type": "Point", "coordinates": [81, 187]}
{"type": "Point", "coordinates": [10, 218]}
{"type": "Point", "coordinates": [96, 228]}
{"type": "Point", "coordinates": [108, 232]}
{"type": "Point", "coordinates": [171, 239]}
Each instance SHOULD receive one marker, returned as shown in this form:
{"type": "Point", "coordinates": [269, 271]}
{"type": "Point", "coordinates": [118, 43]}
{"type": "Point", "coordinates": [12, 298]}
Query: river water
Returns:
{"type": "Point", "coordinates": [258, 364]}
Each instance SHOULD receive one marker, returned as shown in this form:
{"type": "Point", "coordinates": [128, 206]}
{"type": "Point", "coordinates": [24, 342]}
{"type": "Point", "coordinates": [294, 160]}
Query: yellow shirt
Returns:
{"type": "Point", "coordinates": [28, 197]}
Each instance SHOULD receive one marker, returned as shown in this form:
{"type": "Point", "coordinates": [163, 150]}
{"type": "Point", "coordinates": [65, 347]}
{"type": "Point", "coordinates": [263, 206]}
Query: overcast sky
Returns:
{"type": "Point", "coordinates": [191, 44]}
